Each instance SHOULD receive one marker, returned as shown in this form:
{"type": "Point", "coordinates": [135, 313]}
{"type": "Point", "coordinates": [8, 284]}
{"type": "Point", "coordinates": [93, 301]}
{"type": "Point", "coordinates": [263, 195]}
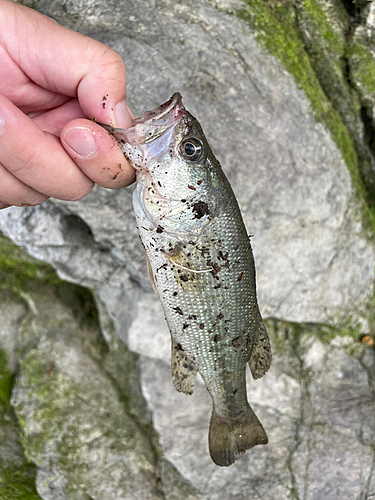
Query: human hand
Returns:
{"type": "Point", "coordinates": [52, 80]}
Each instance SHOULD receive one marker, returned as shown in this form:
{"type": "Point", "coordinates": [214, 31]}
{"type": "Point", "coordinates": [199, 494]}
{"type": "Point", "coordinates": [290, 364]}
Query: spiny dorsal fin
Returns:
{"type": "Point", "coordinates": [183, 371]}
{"type": "Point", "coordinates": [261, 357]}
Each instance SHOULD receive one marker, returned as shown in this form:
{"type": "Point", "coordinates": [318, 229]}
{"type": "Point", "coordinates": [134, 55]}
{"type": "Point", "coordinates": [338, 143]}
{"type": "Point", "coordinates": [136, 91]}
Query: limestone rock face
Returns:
{"type": "Point", "coordinates": [313, 264]}
{"type": "Point", "coordinates": [288, 174]}
{"type": "Point", "coordinates": [82, 419]}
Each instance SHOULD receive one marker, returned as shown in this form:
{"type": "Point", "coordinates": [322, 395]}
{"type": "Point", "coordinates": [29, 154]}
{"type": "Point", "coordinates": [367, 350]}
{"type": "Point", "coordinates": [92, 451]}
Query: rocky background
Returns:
{"type": "Point", "coordinates": [285, 91]}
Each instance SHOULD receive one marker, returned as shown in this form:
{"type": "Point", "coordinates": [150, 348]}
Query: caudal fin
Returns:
{"type": "Point", "coordinates": [230, 438]}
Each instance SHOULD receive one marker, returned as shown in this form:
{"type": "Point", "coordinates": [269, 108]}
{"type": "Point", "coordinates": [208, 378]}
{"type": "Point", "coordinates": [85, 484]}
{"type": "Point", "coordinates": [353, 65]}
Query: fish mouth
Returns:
{"type": "Point", "coordinates": [165, 113]}
{"type": "Point", "coordinates": [152, 124]}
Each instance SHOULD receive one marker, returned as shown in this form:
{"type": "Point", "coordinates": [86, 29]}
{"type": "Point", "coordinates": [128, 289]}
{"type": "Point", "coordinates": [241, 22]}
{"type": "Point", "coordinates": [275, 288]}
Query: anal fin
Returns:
{"type": "Point", "coordinates": [261, 356]}
{"type": "Point", "coordinates": [183, 371]}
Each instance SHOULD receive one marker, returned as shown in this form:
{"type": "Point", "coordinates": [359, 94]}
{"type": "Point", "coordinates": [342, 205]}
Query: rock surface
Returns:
{"type": "Point", "coordinates": [85, 426]}
{"type": "Point", "coordinates": [288, 174]}
{"type": "Point", "coordinates": [79, 400]}
{"type": "Point", "coordinates": [83, 420]}
{"type": "Point", "coordinates": [17, 475]}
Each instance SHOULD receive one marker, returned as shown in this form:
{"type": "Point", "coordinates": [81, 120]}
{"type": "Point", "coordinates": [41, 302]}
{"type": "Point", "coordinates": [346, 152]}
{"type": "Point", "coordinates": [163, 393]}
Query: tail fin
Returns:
{"type": "Point", "coordinates": [229, 438]}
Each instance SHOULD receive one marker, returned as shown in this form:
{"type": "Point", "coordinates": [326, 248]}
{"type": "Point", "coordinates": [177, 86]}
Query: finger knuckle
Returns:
{"type": "Point", "coordinates": [25, 160]}
{"type": "Point", "coordinates": [112, 62]}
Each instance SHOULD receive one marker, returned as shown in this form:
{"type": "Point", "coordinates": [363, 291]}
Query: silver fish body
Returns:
{"type": "Point", "coordinates": [202, 268]}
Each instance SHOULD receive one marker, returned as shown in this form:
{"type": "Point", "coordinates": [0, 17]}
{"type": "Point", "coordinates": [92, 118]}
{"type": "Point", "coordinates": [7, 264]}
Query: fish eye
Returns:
{"type": "Point", "coordinates": [192, 149]}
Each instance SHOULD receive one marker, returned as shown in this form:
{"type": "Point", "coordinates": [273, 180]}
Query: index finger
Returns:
{"type": "Point", "coordinates": [84, 68]}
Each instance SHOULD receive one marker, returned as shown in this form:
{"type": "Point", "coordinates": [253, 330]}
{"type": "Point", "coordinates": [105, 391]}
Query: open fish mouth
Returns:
{"type": "Point", "coordinates": [151, 123]}
{"type": "Point", "coordinates": [152, 135]}
{"type": "Point", "coordinates": [166, 113]}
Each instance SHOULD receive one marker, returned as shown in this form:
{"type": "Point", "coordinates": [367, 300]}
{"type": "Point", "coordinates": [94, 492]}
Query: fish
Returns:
{"type": "Point", "coordinates": [201, 265]}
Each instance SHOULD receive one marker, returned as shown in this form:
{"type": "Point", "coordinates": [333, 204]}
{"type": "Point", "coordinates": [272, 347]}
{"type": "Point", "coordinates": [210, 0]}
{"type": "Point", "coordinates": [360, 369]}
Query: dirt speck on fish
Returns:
{"type": "Point", "coordinates": [201, 266]}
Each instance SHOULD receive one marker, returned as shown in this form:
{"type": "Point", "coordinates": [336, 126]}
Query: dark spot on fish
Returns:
{"type": "Point", "coordinates": [184, 277]}
{"type": "Point", "coordinates": [159, 229]}
{"type": "Point", "coordinates": [217, 338]}
{"type": "Point", "coordinates": [240, 277]}
{"type": "Point", "coordinates": [162, 267]}
{"type": "Point", "coordinates": [178, 347]}
{"type": "Point", "coordinates": [201, 326]}
{"type": "Point", "coordinates": [191, 187]}
{"type": "Point", "coordinates": [217, 286]}
{"type": "Point", "coordinates": [220, 316]}
{"type": "Point", "coordinates": [200, 208]}
{"type": "Point", "coordinates": [238, 342]}
{"type": "Point", "coordinates": [114, 177]}
{"type": "Point", "coordinates": [203, 251]}
{"type": "Point", "coordinates": [174, 293]}
{"type": "Point", "coordinates": [215, 268]}
{"type": "Point", "coordinates": [185, 325]}
{"type": "Point", "coordinates": [199, 182]}
{"type": "Point", "coordinates": [159, 183]}
{"type": "Point", "coordinates": [188, 367]}
{"type": "Point", "coordinates": [235, 391]}
{"type": "Point", "coordinates": [183, 200]}
{"type": "Point", "coordinates": [224, 257]}
{"type": "Point", "coordinates": [178, 310]}
{"type": "Point", "coordinates": [192, 316]}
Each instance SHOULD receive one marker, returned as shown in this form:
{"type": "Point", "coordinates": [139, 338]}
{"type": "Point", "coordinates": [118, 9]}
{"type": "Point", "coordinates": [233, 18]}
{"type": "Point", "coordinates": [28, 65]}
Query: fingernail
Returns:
{"type": "Point", "coordinates": [81, 140]}
{"type": "Point", "coordinates": [122, 116]}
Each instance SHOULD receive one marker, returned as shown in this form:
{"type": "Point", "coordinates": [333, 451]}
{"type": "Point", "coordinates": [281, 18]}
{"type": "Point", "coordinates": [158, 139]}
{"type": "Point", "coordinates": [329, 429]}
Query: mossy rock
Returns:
{"type": "Point", "coordinates": [310, 38]}
{"type": "Point", "coordinates": [17, 476]}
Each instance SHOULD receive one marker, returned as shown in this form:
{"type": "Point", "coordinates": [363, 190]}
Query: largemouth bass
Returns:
{"type": "Point", "coordinates": [201, 266]}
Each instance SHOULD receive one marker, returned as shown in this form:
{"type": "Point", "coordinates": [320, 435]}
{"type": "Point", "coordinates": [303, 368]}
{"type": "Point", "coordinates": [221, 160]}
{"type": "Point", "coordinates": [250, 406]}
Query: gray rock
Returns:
{"type": "Point", "coordinates": [313, 265]}
{"type": "Point", "coordinates": [319, 419]}
{"type": "Point", "coordinates": [71, 398]}
{"type": "Point", "coordinates": [289, 176]}
{"type": "Point", "coordinates": [17, 474]}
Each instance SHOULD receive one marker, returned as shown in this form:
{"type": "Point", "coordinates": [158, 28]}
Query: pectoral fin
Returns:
{"type": "Point", "coordinates": [150, 274]}
{"type": "Point", "coordinates": [261, 356]}
{"type": "Point", "coordinates": [183, 371]}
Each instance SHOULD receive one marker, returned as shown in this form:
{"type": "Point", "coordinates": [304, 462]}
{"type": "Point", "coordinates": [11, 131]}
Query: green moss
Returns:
{"type": "Point", "coordinates": [18, 483]}
{"type": "Point", "coordinates": [275, 26]}
{"type": "Point", "coordinates": [6, 381]}
{"type": "Point", "coordinates": [362, 68]}
{"type": "Point", "coordinates": [284, 333]}
{"type": "Point", "coordinates": [17, 269]}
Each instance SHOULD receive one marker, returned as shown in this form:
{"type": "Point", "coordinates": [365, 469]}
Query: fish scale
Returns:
{"type": "Point", "coordinates": [201, 265]}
